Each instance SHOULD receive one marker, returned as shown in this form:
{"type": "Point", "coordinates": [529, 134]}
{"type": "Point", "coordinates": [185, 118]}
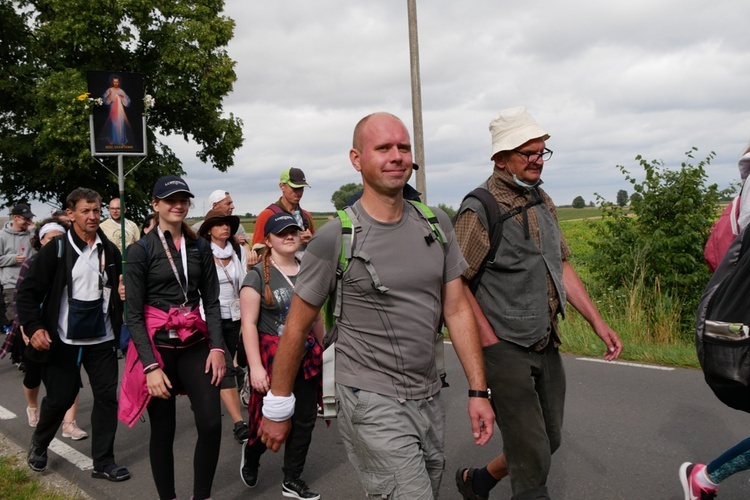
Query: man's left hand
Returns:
{"type": "Point", "coordinates": [611, 340]}
{"type": "Point", "coordinates": [482, 420]}
{"type": "Point", "coordinates": [273, 434]}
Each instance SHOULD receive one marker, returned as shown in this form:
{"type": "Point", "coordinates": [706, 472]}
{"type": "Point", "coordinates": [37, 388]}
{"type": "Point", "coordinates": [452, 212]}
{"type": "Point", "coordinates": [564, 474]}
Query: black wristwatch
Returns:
{"type": "Point", "coordinates": [480, 394]}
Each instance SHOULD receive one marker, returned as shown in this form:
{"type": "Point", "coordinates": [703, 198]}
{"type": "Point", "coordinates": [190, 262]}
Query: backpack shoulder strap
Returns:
{"type": "Point", "coordinates": [273, 207]}
{"type": "Point", "coordinates": [145, 249]}
{"type": "Point", "coordinates": [427, 214]}
{"type": "Point", "coordinates": [495, 218]}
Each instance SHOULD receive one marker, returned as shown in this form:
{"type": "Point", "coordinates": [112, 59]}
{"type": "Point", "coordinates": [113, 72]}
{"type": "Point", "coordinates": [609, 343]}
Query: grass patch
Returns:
{"type": "Point", "coordinates": [649, 323]}
{"type": "Point", "coordinates": [16, 483]}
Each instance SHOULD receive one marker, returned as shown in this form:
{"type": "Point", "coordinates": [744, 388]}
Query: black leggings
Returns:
{"type": "Point", "coordinates": [185, 369]}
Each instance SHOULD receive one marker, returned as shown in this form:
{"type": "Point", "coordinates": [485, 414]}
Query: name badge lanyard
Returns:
{"type": "Point", "coordinates": [183, 256]}
{"type": "Point", "coordinates": [284, 274]}
{"type": "Point", "coordinates": [99, 273]}
{"type": "Point", "coordinates": [234, 281]}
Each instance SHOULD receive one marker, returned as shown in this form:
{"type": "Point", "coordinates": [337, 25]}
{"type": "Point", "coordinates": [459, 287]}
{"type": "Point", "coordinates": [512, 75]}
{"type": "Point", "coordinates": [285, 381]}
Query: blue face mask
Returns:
{"type": "Point", "coordinates": [523, 184]}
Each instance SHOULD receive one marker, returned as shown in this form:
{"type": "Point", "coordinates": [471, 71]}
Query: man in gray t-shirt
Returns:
{"type": "Point", "coordinates": [388, 390]}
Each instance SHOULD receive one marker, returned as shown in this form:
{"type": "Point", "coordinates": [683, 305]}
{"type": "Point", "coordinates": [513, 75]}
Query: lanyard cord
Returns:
{"type": "Point", "coordinates": [183, 256]}
{"type": "Point", "coordinates": [233, 281]}
{"type": "Point", "coordinates": [283, 273]}
{"type": "Point", "coordinates": [88, 262]}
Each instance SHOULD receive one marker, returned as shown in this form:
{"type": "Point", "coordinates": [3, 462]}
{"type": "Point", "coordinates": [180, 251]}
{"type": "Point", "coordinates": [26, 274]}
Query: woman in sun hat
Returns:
{"type": "Point", "coordinates": [231, 265]}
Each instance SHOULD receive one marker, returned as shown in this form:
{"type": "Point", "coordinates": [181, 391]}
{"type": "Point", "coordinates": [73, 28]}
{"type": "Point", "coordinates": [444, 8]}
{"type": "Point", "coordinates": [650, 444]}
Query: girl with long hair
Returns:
{"type": "Point", "coordinates": [265, 298]}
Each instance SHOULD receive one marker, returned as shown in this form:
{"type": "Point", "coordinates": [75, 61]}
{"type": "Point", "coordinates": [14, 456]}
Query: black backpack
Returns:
{"type": "Point", "coordinates": [723, 327]}
{"type": "Point", "coordinates": [496, 216]}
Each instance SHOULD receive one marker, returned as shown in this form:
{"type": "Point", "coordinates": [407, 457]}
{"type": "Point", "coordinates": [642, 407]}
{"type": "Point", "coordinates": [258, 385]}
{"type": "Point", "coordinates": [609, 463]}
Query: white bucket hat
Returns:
{"type": "Point", "coordinates": [514, 127]}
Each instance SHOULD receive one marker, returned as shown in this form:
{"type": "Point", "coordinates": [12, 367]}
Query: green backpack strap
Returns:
{"type": "Point", "coordinates": [427, 214]}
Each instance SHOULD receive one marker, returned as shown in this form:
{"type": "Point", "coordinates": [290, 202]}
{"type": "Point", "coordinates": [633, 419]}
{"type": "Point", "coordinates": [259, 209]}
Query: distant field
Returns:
{"type": "Point", "coordinates": [563, 214]}
{"type": "Point", "coordinates": [570, 213]}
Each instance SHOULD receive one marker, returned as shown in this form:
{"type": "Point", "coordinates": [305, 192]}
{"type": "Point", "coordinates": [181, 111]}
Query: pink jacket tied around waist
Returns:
{"type": "Point", "coordinates": [134, 396]}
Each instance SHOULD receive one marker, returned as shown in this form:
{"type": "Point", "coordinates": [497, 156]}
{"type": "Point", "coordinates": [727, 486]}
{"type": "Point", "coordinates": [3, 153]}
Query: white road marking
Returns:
{"type": "Point", "coordinates": [71, 455]}
{"type": "Point", "coordinates": [6, 414]}
{"type": "Point", "coordinates": [624, 363]}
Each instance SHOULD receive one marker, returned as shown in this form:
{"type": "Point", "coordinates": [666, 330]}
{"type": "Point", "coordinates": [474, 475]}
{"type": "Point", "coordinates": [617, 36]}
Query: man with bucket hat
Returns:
{"type": "Point", "coordinates": [520, 290]}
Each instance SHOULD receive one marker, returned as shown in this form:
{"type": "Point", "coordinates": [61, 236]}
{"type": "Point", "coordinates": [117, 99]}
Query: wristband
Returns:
{"type": "Point", "coordinates": [480, 394]}
{"type": "Point", "coordinates": [278, 408]}
{"type": "Point", "coordinates": [150, 368]}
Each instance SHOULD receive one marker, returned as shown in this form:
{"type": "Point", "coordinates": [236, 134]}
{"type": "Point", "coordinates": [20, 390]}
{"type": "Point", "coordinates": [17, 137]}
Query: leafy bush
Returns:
{"type": "Point", "coordinates": [659, 244]}
{"type": "Point", "coordinates": [579, 202]}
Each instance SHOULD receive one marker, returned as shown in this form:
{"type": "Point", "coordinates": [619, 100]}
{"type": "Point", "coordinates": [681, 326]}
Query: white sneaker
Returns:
{"type": "Point", "coordinates": [33, 415]}
{"type": "Point", "coordinates": [72, 431]}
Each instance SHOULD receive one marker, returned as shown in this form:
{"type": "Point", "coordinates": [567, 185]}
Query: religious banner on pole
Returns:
{"type": "Point", "coordinates": [118, 124]}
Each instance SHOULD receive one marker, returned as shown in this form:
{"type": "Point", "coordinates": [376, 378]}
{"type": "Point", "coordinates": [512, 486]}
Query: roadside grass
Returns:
{"type": "Point", "coordinates": [647, 337]}
{"type": "Point", "coordinates": [16, 483]}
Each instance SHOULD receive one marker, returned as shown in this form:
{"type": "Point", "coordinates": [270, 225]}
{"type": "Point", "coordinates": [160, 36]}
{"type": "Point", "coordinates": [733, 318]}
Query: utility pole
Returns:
{"type": "Point", "coordinates": [416, 100]}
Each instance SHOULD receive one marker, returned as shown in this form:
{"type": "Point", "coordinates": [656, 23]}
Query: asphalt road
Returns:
{"type": "Point", "coordinates": [627, 430]}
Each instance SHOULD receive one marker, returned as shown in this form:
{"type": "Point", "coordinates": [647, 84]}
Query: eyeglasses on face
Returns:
{"type": "Point", "coordinates": [545, 155]}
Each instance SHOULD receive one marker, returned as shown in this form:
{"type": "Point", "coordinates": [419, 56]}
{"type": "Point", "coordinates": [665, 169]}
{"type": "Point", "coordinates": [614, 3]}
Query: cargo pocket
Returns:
{"type": "Point", "coordinates": [378, 484]}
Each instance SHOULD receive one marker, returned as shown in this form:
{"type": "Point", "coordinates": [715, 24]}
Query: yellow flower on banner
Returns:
{"type": "Point", "coordinates": [83, 97]}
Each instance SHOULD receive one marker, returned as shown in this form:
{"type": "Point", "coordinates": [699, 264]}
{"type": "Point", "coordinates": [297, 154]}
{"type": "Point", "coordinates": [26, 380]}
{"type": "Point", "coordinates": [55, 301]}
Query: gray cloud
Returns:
{"type": "Point", "coordinates": [607, 80]}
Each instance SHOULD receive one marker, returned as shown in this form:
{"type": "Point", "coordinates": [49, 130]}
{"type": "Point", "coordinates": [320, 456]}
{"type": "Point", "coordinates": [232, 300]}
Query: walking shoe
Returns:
{"type": "Point", "coordinates": [72, 431]}
{"type": "Point", "coordinates": [241, 432]}
{"type": "Point", "coordinates": [111, 472]}
{"type": "Point", "coordinates": [248, 472]}
{"type": "Point", "coordinates": [296, 488]}
{"type": "Point", "coordinates": [37, 458]}
{"type": "Point", "coordinates": [33, 415]}
{"type": "Point", "coordinates": [690, 485]}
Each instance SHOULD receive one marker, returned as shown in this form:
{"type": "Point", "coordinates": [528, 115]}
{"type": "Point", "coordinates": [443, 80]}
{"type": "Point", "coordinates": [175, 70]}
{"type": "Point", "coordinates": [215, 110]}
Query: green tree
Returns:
{"type": "Point", "coordinates": [48, 45]}
{"type": "Point", "coordinates": [448, 210]}
{"type": "Point", "coordinates": [662, 245]}
{"type": "Point", "coordinates": [339, 197]}
{"type": "Point", "coordinates": [635, 198]}
{"type": "Point", "coordinates": [622, 198]}
{"type": "Point", "coordinates": [579, 202]}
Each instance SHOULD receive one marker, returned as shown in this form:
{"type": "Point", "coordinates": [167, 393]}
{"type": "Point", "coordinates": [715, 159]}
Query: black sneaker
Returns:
{"type": "Point", "coordinates": [37, 458]}
{"type": "Point", "coordinates": [248, 472]}
{"type": "Point", "coordinates": [296, 488]}
{"type": "Point", "coordinates": [241, 432]}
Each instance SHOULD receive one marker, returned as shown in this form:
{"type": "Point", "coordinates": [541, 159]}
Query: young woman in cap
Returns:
{"type": "Point", "coordinates": [231, 265]}
{"type": "Point", "coordinates": [265, 297]}
{"type": "Point", "coordinates": [169, 272]}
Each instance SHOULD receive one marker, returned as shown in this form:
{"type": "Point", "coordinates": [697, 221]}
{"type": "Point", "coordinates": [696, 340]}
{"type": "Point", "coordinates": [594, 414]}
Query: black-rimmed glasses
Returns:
{"type": "Point", "coordinates": [545, 155]}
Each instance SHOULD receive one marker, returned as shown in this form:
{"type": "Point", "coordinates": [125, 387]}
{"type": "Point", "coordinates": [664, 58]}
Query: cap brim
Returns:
{"type": "Point", "coordinates": [170, 193]}
{"type": "Point", "coordinates": [276, 231]}
{"type": "Point", "coordinates": [297, 186]}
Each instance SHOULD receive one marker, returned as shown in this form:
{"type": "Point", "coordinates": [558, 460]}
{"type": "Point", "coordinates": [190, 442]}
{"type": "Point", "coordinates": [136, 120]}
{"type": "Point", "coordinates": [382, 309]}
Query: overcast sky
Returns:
{"type": "Point", "coordinates": [607, 80]}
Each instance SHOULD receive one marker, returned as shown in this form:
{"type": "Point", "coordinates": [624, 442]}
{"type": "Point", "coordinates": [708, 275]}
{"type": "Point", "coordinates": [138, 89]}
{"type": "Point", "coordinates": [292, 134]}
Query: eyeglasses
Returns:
{"type": "Point", "coordinates": [545, 155]}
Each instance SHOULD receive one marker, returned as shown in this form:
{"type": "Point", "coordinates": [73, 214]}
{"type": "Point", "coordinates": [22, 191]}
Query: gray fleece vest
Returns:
{"type": "Point", "coordinates": [513, 290]}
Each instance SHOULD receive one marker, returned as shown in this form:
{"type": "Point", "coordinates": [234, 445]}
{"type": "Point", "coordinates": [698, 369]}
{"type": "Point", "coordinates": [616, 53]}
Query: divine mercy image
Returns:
{"type": "Point", "coordinates": [118, 125]}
